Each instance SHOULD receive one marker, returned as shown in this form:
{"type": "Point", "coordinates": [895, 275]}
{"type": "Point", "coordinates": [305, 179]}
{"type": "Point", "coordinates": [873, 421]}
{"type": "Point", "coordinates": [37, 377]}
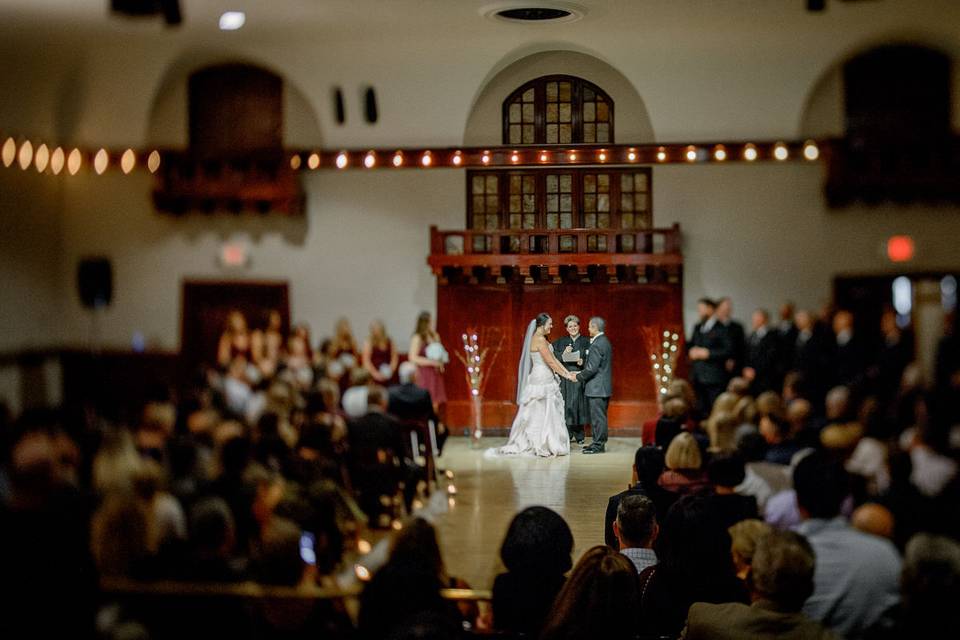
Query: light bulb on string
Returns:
{"type": "Point", "coordinates": [153, 161]}
{"type": "Point", "coordinates": [57, 161]}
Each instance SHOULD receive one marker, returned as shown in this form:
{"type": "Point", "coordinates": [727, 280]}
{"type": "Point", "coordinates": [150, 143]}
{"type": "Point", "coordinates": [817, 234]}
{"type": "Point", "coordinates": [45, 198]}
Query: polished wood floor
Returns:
{"type": "Point", "coordinates": [490, 491]}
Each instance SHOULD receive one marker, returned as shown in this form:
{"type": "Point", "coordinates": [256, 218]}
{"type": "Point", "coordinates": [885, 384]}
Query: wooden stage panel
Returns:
{"type": "Point", "coordinates": [505, 309]}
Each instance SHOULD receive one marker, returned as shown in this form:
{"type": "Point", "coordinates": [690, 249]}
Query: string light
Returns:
{"type": "Point", "coordinates": [101, 161]}
{"type": "Point", "coordinates": [342, 160]}
{"type": "Point", "coordinates": [370, 160]}
{"type": "Point", "coordinates": [544, 157]}
{"type": "Point", "coordinates": [313, 161]}
{"type": "Point", "coordinates": [295, 161]}
{"type": "Point", "coordinates": [153, 161]}
{"type": "Point", "coordinates": [749, 153]}
{"type": "Point", "coordinates": [780, 151]}
{"type": "Point", "coordinates": [128, 161]}
{"type": "Point", "coordinates": [74, 162]}
{"type": "Point", "coordinates": [397, 159]}
{"type": "Point", "coordinates": [602, 156]}
{"type": "Point", "coordinates": [661, 154]}
{"type": "Point", "coordinates": [41, 158]}
{"type": "Point", "coordinates": [426, 160]}
{"type": "Point", "coordinates": [719, 153]}
{"type": "Point", "coordinates": [691, 154]}
{"type": "Point", "coordinates": [26, 154]}
{"type": "Point", "coordinates": [457, 159]}
{"type": "Point", "coordinates": [515, 157]}
{"type": "Point", "coordinates": [632, 155]}
{"type": "Point", "coordinates": [573, 156]}
{"type": "Point", "coordinates": [810, 150]}
{"type": "Point", "coordinates": [485, 158]}
{"type": "Point", "coordinates": [9, 153]}
{"type": "Point", "coordinates": [57, 160]}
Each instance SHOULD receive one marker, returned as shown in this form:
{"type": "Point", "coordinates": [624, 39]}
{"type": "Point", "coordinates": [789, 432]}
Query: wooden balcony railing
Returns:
{"type": "Point", "coordinates": [554, 248]}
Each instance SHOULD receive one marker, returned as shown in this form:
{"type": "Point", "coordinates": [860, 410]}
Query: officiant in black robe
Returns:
{"type": "Point", "coordinates": [576, 411]}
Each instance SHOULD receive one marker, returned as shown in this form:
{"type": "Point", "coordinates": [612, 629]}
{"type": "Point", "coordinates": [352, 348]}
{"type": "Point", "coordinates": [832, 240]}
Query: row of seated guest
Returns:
{"type": "Point", "coordinates": [252, 359]}
{"type": "Point", "coordinates": [817, 353]}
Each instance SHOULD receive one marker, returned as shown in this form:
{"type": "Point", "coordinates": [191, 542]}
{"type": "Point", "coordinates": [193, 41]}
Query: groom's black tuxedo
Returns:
{"type": "Point", "coordinates": [597, 377]}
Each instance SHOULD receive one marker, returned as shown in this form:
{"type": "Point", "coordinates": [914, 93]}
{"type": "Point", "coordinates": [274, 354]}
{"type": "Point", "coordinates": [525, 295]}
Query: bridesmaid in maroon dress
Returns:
{"type": "Point", "coordinates": [344, 350]}
{"type": "Point", "coordinates": [235, 341]}
{"type": "Point", "coordinates": [380, 357]}
{"type": "Point", "coordinates": [429, 372]}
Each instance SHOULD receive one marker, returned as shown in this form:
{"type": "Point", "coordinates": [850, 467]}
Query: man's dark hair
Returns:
{"type": "Point", "coordinates": [211, 525]}
{"type": "Point", "coordinates": [637, 519]}
{"type": "Point", "coordinates": [821, 485]}
{"type": "Point", "coordinates": [707, 301]}
{"type": "Point", "coordinates": [539, 540]}
{"type": "Point", "coordinates": [752, 447]}
{"type": "Point", "coordinates": [666, 430]}
{"type": "Point", "coordinates": [649, 464]}
{"type": "Point", "coordinates": [782, 569]}
{"type": "Point", "coordinates": [726, 470]}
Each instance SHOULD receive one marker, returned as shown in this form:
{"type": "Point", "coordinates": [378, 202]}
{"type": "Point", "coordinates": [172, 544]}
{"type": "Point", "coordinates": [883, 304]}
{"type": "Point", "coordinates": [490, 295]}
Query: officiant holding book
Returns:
{"type": "Point", "coordinates": [571, 350]}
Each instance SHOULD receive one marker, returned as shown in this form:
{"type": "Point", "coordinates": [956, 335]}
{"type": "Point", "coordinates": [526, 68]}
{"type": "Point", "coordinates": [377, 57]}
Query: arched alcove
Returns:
{"type": "Point", "coordinates": [167, 125]}
{"type": "Point", "coordinates": [485, 122]}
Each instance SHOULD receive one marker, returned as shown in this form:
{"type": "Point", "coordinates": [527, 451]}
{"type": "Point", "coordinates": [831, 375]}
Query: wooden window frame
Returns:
{"type": "Point", "coordinates": [540, 115]}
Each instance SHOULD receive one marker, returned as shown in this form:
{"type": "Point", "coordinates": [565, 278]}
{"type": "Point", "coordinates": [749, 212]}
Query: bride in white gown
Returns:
{"type": "Point", "coordinates": [539, 427]}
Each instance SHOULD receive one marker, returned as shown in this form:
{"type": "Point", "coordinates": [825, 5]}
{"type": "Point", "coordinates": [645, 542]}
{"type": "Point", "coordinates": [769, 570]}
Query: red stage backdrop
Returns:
{"type": "Point", "coordinates": [627, 307]}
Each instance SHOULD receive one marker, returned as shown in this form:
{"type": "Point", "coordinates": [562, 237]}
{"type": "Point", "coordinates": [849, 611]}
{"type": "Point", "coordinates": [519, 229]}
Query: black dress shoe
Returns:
{"type": "Point", "coordinates": [594, 448]}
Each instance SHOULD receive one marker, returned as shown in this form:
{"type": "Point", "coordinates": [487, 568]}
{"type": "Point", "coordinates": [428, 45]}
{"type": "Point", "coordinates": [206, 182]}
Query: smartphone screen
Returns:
{"type": "Point", "coordinates": [307, 552]}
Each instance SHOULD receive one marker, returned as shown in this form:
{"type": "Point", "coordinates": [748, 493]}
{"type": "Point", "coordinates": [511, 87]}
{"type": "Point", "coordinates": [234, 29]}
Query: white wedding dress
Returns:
{"type": "Point", "coordinates": [540, 428]}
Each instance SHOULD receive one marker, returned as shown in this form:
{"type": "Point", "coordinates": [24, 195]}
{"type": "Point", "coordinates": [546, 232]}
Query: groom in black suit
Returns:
{"type": "Point", "coordinates": [597, 377]}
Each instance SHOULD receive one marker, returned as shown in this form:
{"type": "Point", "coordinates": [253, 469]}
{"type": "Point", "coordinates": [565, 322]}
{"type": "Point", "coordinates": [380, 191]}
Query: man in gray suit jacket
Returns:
{"type": "Point", "coordinates": [597, 377]}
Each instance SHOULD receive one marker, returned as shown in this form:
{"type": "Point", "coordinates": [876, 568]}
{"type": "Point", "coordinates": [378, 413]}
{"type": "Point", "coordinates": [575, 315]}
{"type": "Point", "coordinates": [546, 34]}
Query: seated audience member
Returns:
{"type": "Point", "coordinates": [721, 427]}
{"type": "Point", "coordinates": [211, 556]}
{"type": "Point", "coordinates": [727, 472]}
{"type": "Point", "coordinates": [684, 474]}
{"type": "Point", "coordinates": [119, 539]}
{"type": "Point", "coordinates": [636, 530]}
{"type": "Point", "coordinates": [298, 362]}
{"type": "Point", "coordinates": [599, 600]}
{"type": "Point", "coordinates": [743, 543]}
{"type": "Point", "coordinates": [800, 418]}
{"type": "Point", "coordinates": [932, 470]}
{"type": "Point", "coordinates": [693, 565]}
{"type": "Point", "coordinates": [647, 467]}
{"type": "Point", "coordinates": [855, 584]}
{"type": "Point", "coordinates": [929, 589]}
{"type": "Point", "coordinates": [237, 392]}
{"type": "Point", "coordinates": [874, 519]}
{"type": "Point", "coordinates": [762, 479]}
{"type": "Point", "coordinates": [411, 403]}
{"type": "Point", "coordinates": [408, 585]}
{"type": "Point", "coordinates": [776, 431]}
{"type": "Point", "coordinates": [536, 552]}
{"type": "Point", "coordinates": [781, 579]}
{"type": "Point", "coordinates": [355, 396]}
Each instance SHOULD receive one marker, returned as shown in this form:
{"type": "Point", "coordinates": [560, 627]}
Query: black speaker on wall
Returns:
{"type": "Point", "coordinates": [95, 282]}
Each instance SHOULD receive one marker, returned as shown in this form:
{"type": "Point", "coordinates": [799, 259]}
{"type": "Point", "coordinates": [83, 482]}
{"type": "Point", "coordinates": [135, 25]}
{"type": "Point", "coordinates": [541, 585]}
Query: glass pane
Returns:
{"type": "Point", "coordinates": [528, 112]}
{"type": "Point", "coordinates": [552, 220]}
{"type": "Point", "coordinates": [566, 111]}
{"type": "Point", "coordinates": [492, 204]}
{"type": "Point", "coordinates": [553, 134]}
{"type": "Point", "coordinates": [601, 243]}
{"type": "Point", "coordinates": [515, 112]}
{"type": "Point", "coordinates": [492, 184]}
{"type": "Point", "coordinates": [529, 221]}
{"type": "Point", "coordinates": [603, 182]}
{"type": "Point", "coordinates": [478, 204]}
{"type": "Point", "coordinates": [514, 204]}
{"type": "Point", "coordinates": [566, 183]}
{"type": "Point", "coordinates": [626, 202]}
{"type": "Point", "coordinates": [477, 185]}
{"type": "Point", "coordinates": [492, 222]}
{"type": "Point", "coordinates": [590, 220]}
{"type": "Point", "coordinates": [591, 243]}
{"type": "Point", "coordinates": [566, 134]}
{"type": "Point", "coordinates": [515, 135]}
{"type": "Point", "coordinates": [553, 203]}
{"type": "Point", "coordinates": [551, 92]}
{"type": "Point", "coordinates": [566, 220]}
{"type": "Point", "coordinates": [640, 180]}
{"type": "Point", "coordinates": [528, 95]}
{"type": "Point", "coordinates": [528, 184]}
{"type": "Point", "coordinates": [626, 220]}
{"type": "Point", "coordinates": [528, 134]}
{"type": "Point", "coordinates": [588, 94]}
{"type": "Point", "coordinates": [589, 132]}
{"type": "Point", "coordinates": [566, 243]}
{"type": "Point", "coordinates": [564, 92]}
{"type": "Point", "coordinates": [589, 111]}
{"type": "Point", "coordinates": [566, 203]}
{"type": "Point", "coordinates": [590, 202]}
{"type": "Point", "coordinates": [626, 242]}
{"type": "Point", "coordinates": [515, 184]}
{"type": "Point", "coordinates": [603, 133]}
{"type": "Point", "coordinates": [478, 222]}
{"type": "Point", "coordinates": [590, 183]}
{"type": "Point", "coordinates": [626, 182]}
{"type": "Point", "coordinates": [603, 112]}
{"type": "Point", "coordinates": [552, 183]}
{"type": "Point", "coordinates": [479, 245]}
{"type": "Point", "coordinates": [552, 112]}
{"type": "Point", "coordinates": [529, 203]}
{"type": "Point", "coordinates": [603, 220]}
{"type": "Point", "coordinates": [603, 202]}
{"type": "Point", "coordinates": [640, 202]}
{"type": "Point", "coordinates": [514, 220]}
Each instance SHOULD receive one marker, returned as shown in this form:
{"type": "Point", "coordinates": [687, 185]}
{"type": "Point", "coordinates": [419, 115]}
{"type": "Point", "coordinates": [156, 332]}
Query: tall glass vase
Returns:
{"type": "Point", "coordinates": [476, 414]}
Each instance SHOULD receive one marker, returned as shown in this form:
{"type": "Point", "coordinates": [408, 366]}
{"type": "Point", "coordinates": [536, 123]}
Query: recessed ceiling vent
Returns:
{"type": "Point", "coordinates": [533, 12]}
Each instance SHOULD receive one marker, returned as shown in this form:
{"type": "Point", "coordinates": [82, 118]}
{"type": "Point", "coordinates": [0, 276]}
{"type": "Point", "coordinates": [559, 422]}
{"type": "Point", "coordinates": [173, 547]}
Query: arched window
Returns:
{"type": "Point", "coordinates": [558, 110]}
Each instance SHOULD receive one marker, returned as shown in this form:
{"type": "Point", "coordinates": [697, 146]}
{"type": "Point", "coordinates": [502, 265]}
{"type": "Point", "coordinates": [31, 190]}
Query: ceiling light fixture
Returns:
{"type": "Point", "coordinates": [232, 20]}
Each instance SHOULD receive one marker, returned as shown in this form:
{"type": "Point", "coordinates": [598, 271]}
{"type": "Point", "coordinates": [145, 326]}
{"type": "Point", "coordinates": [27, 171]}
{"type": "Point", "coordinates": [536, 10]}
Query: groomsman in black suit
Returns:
{"type": "Point", "coordinates": [738, 337]}
{"type": "Point", "coordinates": [850, 356]}
{"type": "Point", "coordinates": [761, 365]}
{"type": "Point", "coordinates": [811, 357]}
{"type": "Point", "coordinates": [708, 350]}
